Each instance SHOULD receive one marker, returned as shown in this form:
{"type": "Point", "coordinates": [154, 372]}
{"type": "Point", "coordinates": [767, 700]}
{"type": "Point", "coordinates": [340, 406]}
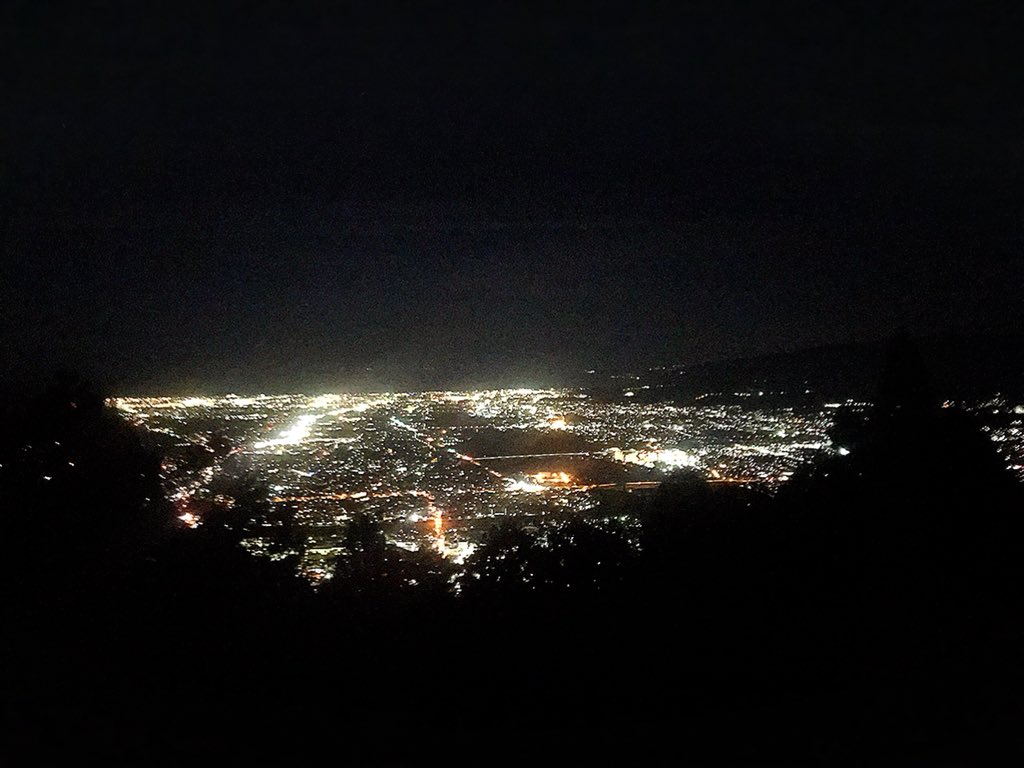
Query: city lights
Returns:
{"type": "Point", "coordinates": [292, 436]}
{"type": "Point", "coordinates": [439, 469]}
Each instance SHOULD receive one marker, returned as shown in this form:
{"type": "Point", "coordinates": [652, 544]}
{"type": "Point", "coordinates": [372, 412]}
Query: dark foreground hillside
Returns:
{"type": "Point", "coordinates": [870, 613]}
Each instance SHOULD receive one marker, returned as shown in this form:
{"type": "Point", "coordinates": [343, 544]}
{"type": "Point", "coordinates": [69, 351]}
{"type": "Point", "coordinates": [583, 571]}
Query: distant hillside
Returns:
{"type": "Point", "coordinates": [957, 367]}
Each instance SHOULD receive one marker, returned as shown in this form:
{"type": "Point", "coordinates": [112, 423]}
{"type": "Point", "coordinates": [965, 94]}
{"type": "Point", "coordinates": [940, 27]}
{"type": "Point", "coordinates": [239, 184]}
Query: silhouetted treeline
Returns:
{"type": "Point", "coordinates": [870, 610]}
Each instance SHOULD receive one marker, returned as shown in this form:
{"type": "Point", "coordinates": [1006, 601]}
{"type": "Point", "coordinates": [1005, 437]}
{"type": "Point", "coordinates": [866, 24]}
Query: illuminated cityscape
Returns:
{"type": "Point", "coordinates": [439, 468]}
{"type": "Point", "coordinates": [526, 383]}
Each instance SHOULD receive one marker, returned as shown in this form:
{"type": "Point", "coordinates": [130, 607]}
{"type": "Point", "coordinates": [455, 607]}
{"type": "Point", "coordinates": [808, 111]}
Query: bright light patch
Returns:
{"type": "Point", "coordinates": [291, 436]}
{"type": "Point", "coordinates": [197, 402]}
{"type": "Point", "coordinates": [460, 552]}
{"type": "Point", "coordinates": [324, 401]}
{"type": "Point", "coordinates": [552, 478]}
{"type": "Point", "coordinates": [670, 457]}
{"type": "Point", "coordinates": [524, 486]}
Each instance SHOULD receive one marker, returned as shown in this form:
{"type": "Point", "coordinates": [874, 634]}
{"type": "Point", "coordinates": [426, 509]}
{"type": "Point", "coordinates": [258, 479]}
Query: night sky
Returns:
{"type": "Point", "coordinates": [256, 198]}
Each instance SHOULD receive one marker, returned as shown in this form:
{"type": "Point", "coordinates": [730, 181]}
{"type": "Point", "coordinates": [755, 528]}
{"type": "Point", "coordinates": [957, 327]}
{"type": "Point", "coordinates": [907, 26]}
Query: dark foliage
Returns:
{"type": "Point", "coordinates": [870, 610]}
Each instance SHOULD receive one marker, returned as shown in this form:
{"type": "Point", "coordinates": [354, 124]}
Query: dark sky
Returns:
{"type": "Point", "coordinates": [257, 197]}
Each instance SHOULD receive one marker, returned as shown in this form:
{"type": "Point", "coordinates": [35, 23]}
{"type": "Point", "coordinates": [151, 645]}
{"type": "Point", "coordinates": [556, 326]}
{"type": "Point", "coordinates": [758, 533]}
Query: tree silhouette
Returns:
{"type": "Point", "coordinates": [79, 494]}
{"type": "Point", "coordinates": [872, 606]}
{"type": "Point", "coordinates": [504, 565]}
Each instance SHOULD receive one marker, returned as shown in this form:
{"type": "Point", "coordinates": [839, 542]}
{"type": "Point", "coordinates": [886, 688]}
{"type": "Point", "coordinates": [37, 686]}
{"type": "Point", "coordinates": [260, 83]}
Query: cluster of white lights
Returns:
{"type": "Point", "coordinates": [291, 436]}
{"type": "Point", "coordinates": [524, 486]}
{"type": "Point", "coordinates": [669, 457]}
